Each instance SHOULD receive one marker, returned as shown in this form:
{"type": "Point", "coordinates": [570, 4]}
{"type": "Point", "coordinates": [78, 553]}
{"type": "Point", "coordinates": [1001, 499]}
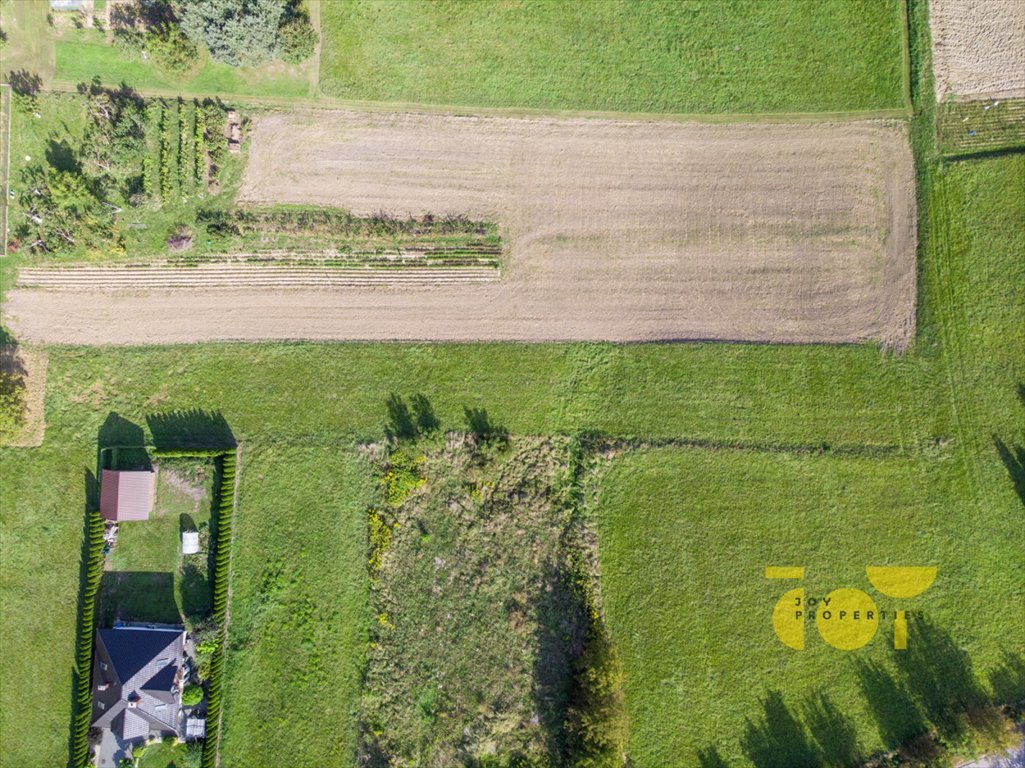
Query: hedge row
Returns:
{"type": "Point", "coordinates": [222, 555]}
{"type": "Point", "coordinates": [336, 222]}
{"type": "Point", "coordinates": [83, 704]}
{"type": "Point", "coordinates": [177, 453]}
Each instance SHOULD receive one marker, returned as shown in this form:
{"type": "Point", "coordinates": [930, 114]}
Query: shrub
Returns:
{"type": "Point", "coordinates": [193, 755]}
{"type": "Point", "coordinates": [403, 477]}
{"type": "Point", "coordinates": [298, 39]}
{"type": "Point", "coordinates": [596, 723]}
{"type": "Point", "coordinates": [12, 402]}
{"type": "Point", "coordinates": [380, 540]}
{"type": "Point", "coordinates": [192, 695]}
{"type": "Point", "coordinates": [172, 52]}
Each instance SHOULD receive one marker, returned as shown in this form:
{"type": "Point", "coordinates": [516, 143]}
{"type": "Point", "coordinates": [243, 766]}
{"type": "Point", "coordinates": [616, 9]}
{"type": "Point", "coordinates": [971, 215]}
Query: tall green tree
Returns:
{"type": "Point", "coordinates": [237, 32]}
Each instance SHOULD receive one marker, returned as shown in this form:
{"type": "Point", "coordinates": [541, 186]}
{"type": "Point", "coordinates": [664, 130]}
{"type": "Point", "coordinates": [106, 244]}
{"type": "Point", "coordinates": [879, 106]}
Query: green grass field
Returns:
{"type": "Point", "coordinates": [299, 606]}
{"type": "Point", "coordinates": [739, 56]}
{"type": "Point", "coordinates": [840, 456]}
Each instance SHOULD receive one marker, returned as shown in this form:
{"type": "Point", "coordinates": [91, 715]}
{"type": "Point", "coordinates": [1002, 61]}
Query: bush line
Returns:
{"type": "Point", "coordinates": [222, 557]}
{"type": "Point", "coordinates": [189, 453]}
{"type": "Point", "coordinates": [83, 703]}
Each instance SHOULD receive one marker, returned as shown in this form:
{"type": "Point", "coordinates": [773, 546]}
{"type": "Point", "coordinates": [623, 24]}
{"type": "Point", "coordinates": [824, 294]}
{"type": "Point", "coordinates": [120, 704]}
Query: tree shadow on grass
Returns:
{"type": "Point", "coordinates": [561, 626]}
{"type": "Point", "coordinates": [834, 732]}
{"type": "Point", "coordinates": [1008, 680]}
{"type": "Point", "coordinates": [938, 674]}
{"type": "Point", "coordinates": [710, 758]}
{"type": "Point", "coordinates": [897, 716]}
{"type": "Point", "coordinates": [408, 422]}
{"type": "Point", "coordinates": [779, 739]}
{"type": "Point", "coordinates": [1013, 458]}
{"type": "Point", "coordinates": [190, 429]}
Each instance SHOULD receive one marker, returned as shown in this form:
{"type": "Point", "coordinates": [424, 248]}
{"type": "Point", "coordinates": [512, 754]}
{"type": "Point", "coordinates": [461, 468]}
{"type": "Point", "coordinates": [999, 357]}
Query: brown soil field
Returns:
{"type": "Point", "coordinates": [614, 230]}
{"type": "Point", "coordinates": [978, 48]}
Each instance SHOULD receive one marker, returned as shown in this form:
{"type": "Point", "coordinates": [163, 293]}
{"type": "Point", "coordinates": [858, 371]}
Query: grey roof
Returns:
{"type": "Point", "coordinates": [195, 728]}
{"type": "Point", "coordinates": [139, 669]}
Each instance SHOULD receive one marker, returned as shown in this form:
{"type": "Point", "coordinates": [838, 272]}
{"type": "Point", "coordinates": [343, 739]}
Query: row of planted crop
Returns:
{"type": "Point", "coordinates": [177, 149]}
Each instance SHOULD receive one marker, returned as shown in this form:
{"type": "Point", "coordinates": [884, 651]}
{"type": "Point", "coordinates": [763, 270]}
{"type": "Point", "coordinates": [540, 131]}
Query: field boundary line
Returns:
{"type": "Point", "coordinates": [905, 34]}
{"type": "Point", "coordinates": [6, 97]}
{"type": "Point", "coordinates": [402, 107]}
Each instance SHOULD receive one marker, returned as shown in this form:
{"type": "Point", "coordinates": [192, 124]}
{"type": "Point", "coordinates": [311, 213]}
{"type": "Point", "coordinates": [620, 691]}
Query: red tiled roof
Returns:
{"type": "Point", "coordinates": [126, 495]}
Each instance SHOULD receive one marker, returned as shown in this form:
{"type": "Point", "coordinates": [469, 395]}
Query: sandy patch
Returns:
{"type": "Point", "coordinates": [621, 231]}
{"type": "Point", "coordinates": [978, 48]}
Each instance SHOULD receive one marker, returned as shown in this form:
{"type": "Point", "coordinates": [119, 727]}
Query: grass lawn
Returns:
{"type": "Point", "coordinates": [711, 57]}
{"type": "Point", "coordinates": [83, 54]}
{"type": "Point", "coordinates": [299, 609]}
{"type": "Point", "coordinates": [166, 754]}
{"type": "Point", "coordinates": [685, 536]}
{"type": "Point", "coordinates": [29, 38]}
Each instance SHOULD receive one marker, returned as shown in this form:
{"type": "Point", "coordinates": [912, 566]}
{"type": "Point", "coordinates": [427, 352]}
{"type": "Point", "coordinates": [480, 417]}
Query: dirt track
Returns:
{"type": "Point", "coordinates": [978, 48]}
{"type": "Point", "coordinates": [614, 230]}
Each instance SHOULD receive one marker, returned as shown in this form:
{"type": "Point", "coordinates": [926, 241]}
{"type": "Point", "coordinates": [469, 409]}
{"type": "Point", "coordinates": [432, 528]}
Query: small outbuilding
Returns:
{"type": "Point", "coordinates": [127, 495]}
{"type": "Point", "coordinates": [195, 728]}
{"type": "Point", "coordinates": [190, 542]}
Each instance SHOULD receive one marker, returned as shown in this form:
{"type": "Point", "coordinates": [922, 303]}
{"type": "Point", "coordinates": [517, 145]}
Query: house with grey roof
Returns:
{"type": "Point", "coordinates": [138, 673]}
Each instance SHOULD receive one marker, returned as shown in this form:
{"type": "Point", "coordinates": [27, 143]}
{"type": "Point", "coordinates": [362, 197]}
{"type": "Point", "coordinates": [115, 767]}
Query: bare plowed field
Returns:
{"type": "Point", "coordinates": [978, 48]}
{"type": "Point", "coordinates": [623, 231]}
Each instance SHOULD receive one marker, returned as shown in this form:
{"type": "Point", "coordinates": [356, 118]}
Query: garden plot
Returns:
{"type": "Point", "coordinates": [614, 230]}
{"type": "Point", "coordinates": [978, 48]}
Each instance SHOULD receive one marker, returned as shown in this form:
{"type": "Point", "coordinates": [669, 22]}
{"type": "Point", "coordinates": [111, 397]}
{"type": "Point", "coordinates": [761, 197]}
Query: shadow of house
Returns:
{"type": "Point", "coordinates": [146, 596]}
{"type": "Point", "coordinates": [191, 429]}
{"type": "Point", "coordinates": [779, 740]}
{"type": "Point", "coordinates": [197, 601]}
{"type": "Point", "coordinates": [122, 445]}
